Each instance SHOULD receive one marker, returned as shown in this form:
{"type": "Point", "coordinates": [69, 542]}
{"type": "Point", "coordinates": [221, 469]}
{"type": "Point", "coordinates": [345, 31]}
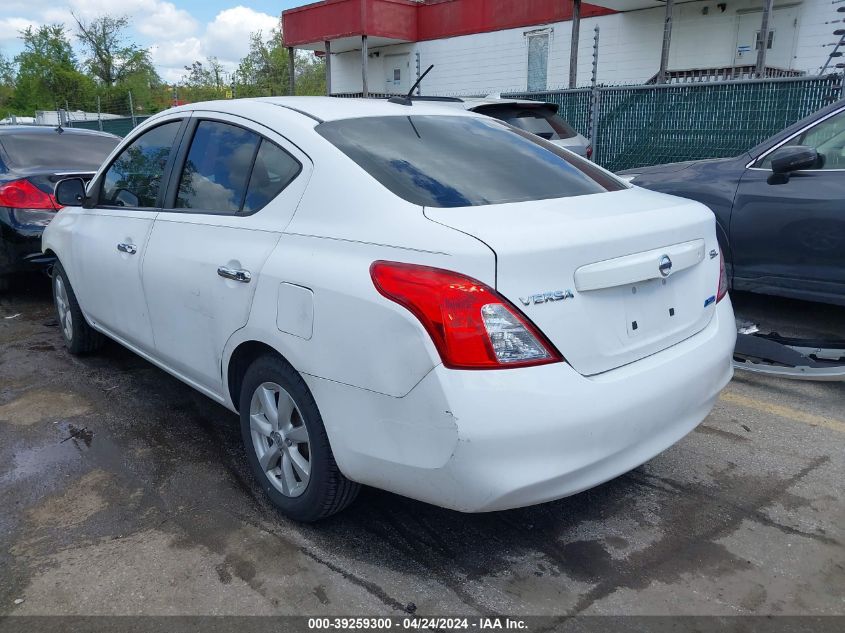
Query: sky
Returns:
{"type": "Point", "coordinates": [177, 32]}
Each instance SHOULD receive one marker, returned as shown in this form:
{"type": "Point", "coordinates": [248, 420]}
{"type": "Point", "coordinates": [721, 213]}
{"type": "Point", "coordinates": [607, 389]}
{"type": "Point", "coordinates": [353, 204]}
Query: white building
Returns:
{"type": "Point", "coordinates": [484, 46]}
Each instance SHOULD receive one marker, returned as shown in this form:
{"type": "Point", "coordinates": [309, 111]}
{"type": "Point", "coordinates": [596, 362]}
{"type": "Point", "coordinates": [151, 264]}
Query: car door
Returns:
{"type": "Point", "coordinates": [234, 188]}
{"type": "Point", "coordinates": [110, 238]}
{"type": "Point", "coordinates": [790, 233]}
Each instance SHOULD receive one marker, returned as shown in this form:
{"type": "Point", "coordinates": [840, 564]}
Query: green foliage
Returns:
{"type": "Point", "coordinates": [264, 70]}
{"type": "Point", "coordinates": [111, 58]}
{"type": "Point", "coordinates": [46, 75]}
{"type": "Point", "coordinates": [204, 82]}
{"type": "Point", "coordinates": [310, 75]}
{"type": "Point", "coordinates": [7, 82]}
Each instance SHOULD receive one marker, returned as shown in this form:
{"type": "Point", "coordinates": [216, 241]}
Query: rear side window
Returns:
{"type": "Point", "coordinates": [232, 170]}
{"type": "Point", "coordinates": [457, 161]}
{"type": "Point", "coordinates": [217, 169]}
{"type": "Point", "coordinates": [542, 121]}
{"type": "Point", "coordinates": [274, 169]}
{"type": "Point", "coordinates": [67, 151]}
{"type": "Point", "coordinates": [134, 178]}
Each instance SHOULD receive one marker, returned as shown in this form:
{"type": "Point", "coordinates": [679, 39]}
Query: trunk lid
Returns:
{"type": "Point", "coordinates": [587, 270]}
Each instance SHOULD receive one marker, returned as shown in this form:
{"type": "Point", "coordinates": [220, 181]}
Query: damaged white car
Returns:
{"type": "Point", "coordinates": [406, 296]}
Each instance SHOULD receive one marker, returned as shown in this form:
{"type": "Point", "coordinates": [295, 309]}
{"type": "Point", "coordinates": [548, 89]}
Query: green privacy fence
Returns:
{"type": "Point", "coordinates": [120, 126]}
{"type": "Point", "coordinates": [652, 124]}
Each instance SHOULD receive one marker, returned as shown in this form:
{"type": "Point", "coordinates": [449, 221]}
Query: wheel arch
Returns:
{"type": "Point", "coordinates": [243, 354]}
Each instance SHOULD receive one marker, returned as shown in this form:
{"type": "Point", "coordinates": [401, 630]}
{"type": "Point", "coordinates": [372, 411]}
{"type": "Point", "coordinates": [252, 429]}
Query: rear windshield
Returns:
{"type": "Point", "coordinates": [459, 161]}
{"type": "Point", "coordinates": [542, 121]}
{"type": "Point", "coordinates": [67, 151]}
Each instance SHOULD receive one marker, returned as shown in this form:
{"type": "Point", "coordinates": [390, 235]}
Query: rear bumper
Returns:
{"type": "Point", "coordinates": [490, 440]}
{"type": "Point", "coordinates": [16, 243]}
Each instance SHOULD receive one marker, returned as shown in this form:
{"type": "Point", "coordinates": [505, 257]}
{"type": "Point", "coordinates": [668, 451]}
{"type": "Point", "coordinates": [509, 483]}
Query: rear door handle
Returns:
{"type": "Point", "coordinates": [127, 248]}
{"type": "Point", "coordinates": [244, 276]}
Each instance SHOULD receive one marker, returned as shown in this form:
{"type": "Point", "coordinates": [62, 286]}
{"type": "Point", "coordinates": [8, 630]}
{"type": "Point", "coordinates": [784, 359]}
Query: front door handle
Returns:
{"type": "Point", "coordinates": [244, 276]}
{"type": "Point", "coordinates": [127, 248]}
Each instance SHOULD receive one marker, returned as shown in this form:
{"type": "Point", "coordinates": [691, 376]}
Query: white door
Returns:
{"type": "Point", "coordinates": [780, 43]}
{"type": "Point", "coordinates": [110, 239]}
{"type": "Point", "coordinates": [397, 71]}
{"type": "Point", "coordinates": [231, 195]}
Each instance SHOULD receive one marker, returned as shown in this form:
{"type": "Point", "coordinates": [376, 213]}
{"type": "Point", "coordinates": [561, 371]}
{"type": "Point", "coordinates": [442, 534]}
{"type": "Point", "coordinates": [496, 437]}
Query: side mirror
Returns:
{"type": "Point", "coordinates": [70, 192]}
{"type": "Point", "coordinates": [795, 158]}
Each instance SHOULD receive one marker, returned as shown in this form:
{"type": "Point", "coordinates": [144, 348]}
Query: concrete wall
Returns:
{"type": "Point", "coordinates": [703, 36]}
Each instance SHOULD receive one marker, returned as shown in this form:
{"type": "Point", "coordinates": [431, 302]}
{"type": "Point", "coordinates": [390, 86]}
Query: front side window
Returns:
{"type": "Point", "coordinates": [217, 168]}
{"type": "Point", "coordinates": [827, 138]}
{"type": "Point", "coordinates": [134, 178]}
{"type": "Point", "coordinates": [457, 161]}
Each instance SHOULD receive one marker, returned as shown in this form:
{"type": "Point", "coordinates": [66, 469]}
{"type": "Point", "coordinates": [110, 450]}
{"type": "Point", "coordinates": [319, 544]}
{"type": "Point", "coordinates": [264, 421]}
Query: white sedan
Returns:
{"type": "Point", "coordinates": [411, 297]}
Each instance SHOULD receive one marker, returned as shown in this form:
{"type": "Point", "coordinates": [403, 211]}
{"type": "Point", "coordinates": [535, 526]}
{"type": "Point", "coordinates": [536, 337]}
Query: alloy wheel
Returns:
{"type": "Point", "coordinates": [280, 439]}
{"type": "Point", "coordinates": [63, 309]}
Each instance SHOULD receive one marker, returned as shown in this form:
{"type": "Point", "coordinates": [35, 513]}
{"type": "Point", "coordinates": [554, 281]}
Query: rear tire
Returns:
{"type": "Point", "coordinates": [80, 338]}
{"type": "Point", "coordinates": [287, 445]}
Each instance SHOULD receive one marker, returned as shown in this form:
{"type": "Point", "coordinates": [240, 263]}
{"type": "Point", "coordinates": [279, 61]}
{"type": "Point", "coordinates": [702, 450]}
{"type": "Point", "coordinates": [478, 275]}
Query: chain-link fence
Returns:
{"type": "Point", "coordinates": [629, 126]}
{"type": "Point", "coordinates": [653, 124]}
{"type": "Point", "coordinates": [116, 115]}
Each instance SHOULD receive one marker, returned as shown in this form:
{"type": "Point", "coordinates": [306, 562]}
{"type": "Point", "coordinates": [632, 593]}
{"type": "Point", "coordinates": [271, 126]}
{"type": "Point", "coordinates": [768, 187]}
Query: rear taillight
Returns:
{"type": "Point", "coordinates": [589, 151]}
{"type": "Point", "coordinates": [723, 279]}
{"type": "Point", "coordinates": [22, 194]}
{"type": "Point", "coordinates": [471, 325]}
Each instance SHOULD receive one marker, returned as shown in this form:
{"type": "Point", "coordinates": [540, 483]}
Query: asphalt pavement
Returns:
{"type": "Point", "coordinates": [123, 491]}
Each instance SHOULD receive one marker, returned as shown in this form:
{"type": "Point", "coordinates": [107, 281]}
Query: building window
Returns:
{"type": "Point", "coordinates": [538, 61]}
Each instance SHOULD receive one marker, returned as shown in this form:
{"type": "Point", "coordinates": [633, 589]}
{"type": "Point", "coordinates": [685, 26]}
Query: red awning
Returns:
{"type": "Point", "coordinates": [385, 22]}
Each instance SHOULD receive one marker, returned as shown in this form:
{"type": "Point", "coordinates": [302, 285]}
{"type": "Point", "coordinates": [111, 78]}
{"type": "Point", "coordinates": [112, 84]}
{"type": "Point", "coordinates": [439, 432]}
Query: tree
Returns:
{"type": "Point", "coordinates": [48, 77]}
{"type": "Point", "coordinates": [264, 70]}
{"type": "Point", "coordinates": [111, 58]}
{"type": "Point", "coordinates": [7, 80]}
{"type": "Point", "coordinates": [118, 65]}
{"type": "Point", "coordinates": [203, 80]}
{"type": "Point", "coordinates": [310, 75]}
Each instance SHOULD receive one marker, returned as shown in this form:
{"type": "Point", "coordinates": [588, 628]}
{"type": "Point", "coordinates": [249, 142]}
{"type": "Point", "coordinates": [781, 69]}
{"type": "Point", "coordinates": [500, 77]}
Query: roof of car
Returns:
{"type": "Point", "coordinates": [50, 129]}
{"type": "Point", "coordinates": [330, 108]}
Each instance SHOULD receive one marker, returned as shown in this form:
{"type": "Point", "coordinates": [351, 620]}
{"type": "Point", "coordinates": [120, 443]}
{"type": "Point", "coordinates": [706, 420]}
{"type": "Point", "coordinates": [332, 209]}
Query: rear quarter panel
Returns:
{"type": "Point", "coordinates": [346, 221]}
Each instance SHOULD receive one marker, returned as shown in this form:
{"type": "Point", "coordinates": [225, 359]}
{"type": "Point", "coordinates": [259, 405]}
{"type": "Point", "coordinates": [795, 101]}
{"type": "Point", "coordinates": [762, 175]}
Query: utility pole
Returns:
{"type": "Point", "coordinates": [667, 40]}
{"type": "Point", "coordinates": [328, 68]}
{"type": "Point", "coordinates": [573, 51]}
{"type": "Point", "coordinates": [763, 40]}
{"type": "Point", "coordinates": [291, 71]}
{"type": "Point", "coordinates": [99, 116]}
{"type": "Point", "coordinates": [364, 92]}
{"type": "Point", "coordinates": [132, 110]}
{"type": "Point", "coordinates": [595, 94]}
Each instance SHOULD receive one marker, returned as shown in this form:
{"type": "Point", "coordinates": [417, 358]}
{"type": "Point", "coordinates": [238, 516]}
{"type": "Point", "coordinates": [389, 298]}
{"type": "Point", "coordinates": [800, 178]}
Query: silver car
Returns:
{"type": "Point", "coordinates": [538, 117]}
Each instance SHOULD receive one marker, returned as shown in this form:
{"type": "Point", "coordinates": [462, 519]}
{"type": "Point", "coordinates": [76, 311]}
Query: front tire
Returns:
{"type": "Point", "coordinates": [287, 445]}
{"type": "Point", "coordinates": [80, 338]}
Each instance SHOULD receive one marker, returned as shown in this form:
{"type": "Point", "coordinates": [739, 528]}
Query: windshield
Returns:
{"type": "Point", "coordinates": [67, 151]}
{"type": "Point", "coordinates": [458, 161]}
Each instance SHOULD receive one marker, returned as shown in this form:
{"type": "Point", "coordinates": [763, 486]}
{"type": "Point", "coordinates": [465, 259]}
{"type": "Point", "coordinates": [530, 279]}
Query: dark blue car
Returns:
{"type": "Point", "coordinates": [32, 160]}
{"type": "Point", "coordinates": [780, 207]}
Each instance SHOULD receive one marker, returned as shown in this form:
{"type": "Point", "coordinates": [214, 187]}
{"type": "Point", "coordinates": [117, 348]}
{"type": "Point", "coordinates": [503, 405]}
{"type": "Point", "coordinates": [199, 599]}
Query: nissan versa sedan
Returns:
{"type": "Point", "coordinates": [411, 297]}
